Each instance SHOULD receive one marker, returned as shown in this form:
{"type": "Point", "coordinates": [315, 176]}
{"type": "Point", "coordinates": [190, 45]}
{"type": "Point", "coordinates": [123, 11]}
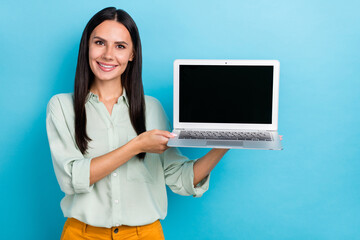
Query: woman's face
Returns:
{"type": "Point", "coordinates": [110, 50]}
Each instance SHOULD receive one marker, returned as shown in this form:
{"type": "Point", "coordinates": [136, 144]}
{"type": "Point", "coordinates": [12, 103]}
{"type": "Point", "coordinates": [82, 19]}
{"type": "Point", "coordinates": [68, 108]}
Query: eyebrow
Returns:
{"type": "Point", "coordinates": [118, 42]}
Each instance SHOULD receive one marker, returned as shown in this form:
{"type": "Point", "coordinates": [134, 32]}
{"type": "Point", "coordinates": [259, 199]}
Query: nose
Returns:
{"type": "Point", "coordinates": [108, 53]}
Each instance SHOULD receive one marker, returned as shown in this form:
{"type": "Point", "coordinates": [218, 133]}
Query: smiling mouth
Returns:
{"type": "Point", "coordinates": [106, 67]}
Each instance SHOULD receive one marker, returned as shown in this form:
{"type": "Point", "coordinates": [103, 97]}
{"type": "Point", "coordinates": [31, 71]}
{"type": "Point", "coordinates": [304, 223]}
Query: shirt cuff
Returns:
{"type": "Point", "coordinates": [81, 176]}
{"type": "Point", "coordinates": [188, 181]}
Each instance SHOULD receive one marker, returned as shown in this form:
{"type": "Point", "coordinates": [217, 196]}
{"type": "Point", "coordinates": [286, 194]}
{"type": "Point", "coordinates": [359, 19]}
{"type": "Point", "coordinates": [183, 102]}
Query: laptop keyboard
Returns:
{"type": "Point", "coordinates": [221, 135]}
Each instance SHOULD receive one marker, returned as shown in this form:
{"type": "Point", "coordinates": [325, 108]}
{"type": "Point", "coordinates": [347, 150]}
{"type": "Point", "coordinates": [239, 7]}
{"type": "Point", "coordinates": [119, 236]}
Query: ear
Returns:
{"type": "Point", "coordinates": [131, 57]}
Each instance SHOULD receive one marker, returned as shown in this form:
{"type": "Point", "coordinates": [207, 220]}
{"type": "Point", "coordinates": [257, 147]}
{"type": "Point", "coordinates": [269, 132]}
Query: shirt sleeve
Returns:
{"type": "Point", "coordinates": [178, 169]}
{"type": "Point", "coordinates": [179, 174]}
{"type": "Point", "coordinates": [72, 169]}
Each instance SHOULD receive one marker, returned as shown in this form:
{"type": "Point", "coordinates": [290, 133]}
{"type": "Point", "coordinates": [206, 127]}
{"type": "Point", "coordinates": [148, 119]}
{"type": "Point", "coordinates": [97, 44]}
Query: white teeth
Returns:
{"type": "Point", "coordinates": [106, 66]}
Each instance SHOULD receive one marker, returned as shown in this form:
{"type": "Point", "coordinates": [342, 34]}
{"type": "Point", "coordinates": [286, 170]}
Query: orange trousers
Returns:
{"type": "Point", "coordinates": [75, 229]}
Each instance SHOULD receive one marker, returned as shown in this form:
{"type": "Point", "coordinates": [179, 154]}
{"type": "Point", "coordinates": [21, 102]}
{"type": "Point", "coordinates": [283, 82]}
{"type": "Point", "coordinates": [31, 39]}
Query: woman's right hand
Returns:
{"type": "Point", "coordinates": [153, 141]}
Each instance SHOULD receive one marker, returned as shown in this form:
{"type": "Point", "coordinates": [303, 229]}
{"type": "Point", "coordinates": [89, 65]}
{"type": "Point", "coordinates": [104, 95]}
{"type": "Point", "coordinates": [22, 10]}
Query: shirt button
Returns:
{"type": "Point", "coordinates": [116, 201]}
{"type": "Point", "coordinates": [116, 230]}
{"type": "Point", "coordinates": [114, 174]}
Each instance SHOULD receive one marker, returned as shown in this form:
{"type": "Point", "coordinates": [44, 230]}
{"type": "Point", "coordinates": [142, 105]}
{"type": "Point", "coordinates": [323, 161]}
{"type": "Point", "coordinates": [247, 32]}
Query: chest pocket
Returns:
{"type": "Point", "coordinates": [140, 170]}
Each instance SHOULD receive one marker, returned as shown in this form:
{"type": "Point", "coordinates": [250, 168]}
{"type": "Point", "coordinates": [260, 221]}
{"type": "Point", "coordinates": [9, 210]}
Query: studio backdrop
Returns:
{"type": "Point", "coordinates": [310, 190]}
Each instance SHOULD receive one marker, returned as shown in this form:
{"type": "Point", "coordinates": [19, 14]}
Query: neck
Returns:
{"type": "Point", "coordinates": [107, 90]}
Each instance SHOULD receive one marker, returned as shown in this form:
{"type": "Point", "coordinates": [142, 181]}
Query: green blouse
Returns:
{"type": "Point", "coordinates": [135, 193]}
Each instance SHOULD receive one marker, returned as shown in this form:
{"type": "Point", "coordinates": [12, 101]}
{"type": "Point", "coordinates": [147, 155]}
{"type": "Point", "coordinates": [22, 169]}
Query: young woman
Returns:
{"type": "Point", "coordinates": [108, 141]}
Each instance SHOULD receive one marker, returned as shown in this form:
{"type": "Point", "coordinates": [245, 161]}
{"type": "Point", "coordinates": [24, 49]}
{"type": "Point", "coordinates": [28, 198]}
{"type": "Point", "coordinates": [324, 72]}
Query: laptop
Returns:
{"type": "Point", "coordinates": [226, 104]}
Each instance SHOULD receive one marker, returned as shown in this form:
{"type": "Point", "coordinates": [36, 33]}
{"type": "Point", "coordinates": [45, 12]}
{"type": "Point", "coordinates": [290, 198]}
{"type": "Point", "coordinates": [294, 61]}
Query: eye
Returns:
{"type": "Point", "coordinates": [120, 46]}
{"type": "Point", "coordinates": [99, 42]}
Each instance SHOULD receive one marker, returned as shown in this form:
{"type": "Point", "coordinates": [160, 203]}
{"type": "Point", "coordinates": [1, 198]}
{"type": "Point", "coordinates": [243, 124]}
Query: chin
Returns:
{"type": "Point", "coordinates": [107, 78]}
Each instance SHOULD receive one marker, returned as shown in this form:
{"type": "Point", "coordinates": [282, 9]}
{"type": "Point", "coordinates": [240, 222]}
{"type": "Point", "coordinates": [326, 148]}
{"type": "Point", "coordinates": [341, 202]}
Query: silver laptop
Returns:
{"type": "Point", "coordinates": [226, 104]}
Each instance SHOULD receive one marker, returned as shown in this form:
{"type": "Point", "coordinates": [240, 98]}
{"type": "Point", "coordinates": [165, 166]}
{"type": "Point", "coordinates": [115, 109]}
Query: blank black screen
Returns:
{"type": "Point", "coordinates": [226, 94]}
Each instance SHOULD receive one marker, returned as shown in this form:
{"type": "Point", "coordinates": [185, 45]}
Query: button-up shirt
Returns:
{"type": "Point", "coordinates": [133, 194]}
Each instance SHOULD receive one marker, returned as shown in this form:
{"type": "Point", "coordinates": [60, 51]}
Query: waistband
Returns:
{"type": "Point", "coordinates": [102, 230]}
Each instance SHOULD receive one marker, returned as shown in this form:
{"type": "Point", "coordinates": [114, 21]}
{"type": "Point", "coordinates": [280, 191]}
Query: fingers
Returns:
{"type": "Point", "coordinates": [163, 133]}
{"type": "Point", "coordinates": [161, 147]}
{"type": "Point", "coordinates": [164, 148]}
{"type": "Point", "coordinates": [163, 140]}
{"type": "Point", "coordinates": [155, 141]}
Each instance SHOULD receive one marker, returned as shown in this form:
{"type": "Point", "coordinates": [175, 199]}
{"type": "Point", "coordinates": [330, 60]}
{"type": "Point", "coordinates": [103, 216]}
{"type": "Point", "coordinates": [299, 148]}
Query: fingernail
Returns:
{"type": "Point", "coordinates": [173, 134]}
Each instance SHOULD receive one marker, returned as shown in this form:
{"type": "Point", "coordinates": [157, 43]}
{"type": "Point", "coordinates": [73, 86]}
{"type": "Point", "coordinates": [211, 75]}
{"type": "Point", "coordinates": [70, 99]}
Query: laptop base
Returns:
{"type": "Point", "coordinates": [275, 144]}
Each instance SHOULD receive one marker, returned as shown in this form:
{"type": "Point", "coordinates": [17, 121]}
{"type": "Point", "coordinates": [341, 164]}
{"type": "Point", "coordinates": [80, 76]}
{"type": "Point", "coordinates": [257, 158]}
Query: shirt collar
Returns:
{"type": "Point", "coordinates": [124, 97]}
{"type": "Point", "coordinates": [93, 97]}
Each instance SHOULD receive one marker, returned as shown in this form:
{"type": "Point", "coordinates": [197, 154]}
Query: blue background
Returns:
{"type": "Point", "coordinates": [310, 190]}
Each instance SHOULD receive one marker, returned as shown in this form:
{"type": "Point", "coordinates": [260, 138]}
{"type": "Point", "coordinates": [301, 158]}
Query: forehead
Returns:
{"type": "Point", "coordinates": [112, 30]}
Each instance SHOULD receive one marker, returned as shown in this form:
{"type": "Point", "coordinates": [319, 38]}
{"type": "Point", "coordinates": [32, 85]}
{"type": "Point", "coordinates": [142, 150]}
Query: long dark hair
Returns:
{"type": "Point", "coordinates": [131, 78]}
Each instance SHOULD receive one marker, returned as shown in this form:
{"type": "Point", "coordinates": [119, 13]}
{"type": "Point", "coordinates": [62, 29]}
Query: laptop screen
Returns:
{"type": "Point", "coordinates": [226, 94]}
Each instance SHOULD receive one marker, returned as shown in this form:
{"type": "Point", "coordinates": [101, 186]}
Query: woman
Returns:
{"type": "Point", "coordinates": [108, 141]}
